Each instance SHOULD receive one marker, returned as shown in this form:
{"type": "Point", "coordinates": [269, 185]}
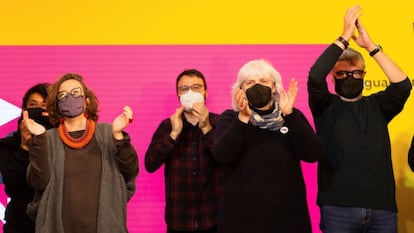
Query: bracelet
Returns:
{"type": "Point", "coordinates": [343, 41]}
{"type": "Point", "coordinates": [375, 51]}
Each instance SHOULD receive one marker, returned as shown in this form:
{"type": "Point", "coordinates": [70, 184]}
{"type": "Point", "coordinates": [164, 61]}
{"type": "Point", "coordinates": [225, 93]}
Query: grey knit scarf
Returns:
{"type": "Point", "coordinates": [272, 121]}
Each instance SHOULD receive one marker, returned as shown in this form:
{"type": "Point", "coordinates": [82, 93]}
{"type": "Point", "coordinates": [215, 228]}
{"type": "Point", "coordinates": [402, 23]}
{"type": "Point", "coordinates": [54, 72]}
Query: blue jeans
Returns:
{"type": "Point", "coordinates": [339, 219]}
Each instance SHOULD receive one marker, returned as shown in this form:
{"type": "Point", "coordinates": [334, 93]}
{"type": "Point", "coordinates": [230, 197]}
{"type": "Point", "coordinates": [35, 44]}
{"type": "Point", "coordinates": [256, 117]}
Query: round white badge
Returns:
{"type": "Point", "coordinates": [284, 130]}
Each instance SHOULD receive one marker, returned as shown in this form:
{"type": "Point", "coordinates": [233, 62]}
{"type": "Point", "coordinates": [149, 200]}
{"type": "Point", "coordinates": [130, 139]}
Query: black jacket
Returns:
{"type": "Point", "coordinates": [263, 186]}
{"type": "Point", "coordinates": [13, 166]}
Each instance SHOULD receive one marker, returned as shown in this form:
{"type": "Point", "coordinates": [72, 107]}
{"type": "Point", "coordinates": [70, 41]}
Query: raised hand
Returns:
{"type": "Point", "coordinates": [350, 20]}
{"type": "Point", "coordinates": [243, 105]}
{"type": "Point", "coordinates": [121, 121]}
{"type": "Point", "coordinates": [25, 136]}
{"type": "Point", "coordinates": [363, 40]}
{"type": "Point", "coordinates": [32, 126]}
{"type": "Point", "coordinates": [176, 123]}
{"type": "Point", "coordinates": [288, 98]}
{"type": "Point", "coordinates": [200, 111]}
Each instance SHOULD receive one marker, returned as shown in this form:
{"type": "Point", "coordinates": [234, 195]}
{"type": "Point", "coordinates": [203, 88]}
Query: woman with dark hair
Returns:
{"type": "Point", "coordinates": [85, 171]}
{"type": "Point", "coordinates": [15, 159]}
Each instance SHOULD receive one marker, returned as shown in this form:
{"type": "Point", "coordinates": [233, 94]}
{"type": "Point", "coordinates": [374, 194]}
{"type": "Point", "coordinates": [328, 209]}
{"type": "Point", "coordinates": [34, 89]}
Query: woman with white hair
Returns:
{"type": "Point", "coordinates": [260, 144]}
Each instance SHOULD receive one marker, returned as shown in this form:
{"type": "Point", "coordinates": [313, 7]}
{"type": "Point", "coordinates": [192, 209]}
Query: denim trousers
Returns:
{"type": "Point", "coordinates": [340, 219]}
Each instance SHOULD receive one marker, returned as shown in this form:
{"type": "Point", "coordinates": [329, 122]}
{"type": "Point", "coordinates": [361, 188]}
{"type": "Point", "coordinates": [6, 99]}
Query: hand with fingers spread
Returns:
{"type": "Point", "coordinates": [288, 98]}
{"type": "Point", "coordinates": [121, 121]}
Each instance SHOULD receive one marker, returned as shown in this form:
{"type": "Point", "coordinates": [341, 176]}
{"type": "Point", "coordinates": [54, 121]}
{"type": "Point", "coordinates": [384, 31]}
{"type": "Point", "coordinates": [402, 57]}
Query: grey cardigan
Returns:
{"type": "Point", "coordinates": [115, 191]}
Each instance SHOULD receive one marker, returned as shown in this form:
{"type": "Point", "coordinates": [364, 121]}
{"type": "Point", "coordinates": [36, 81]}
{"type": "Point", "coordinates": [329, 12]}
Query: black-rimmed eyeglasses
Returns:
{"type": "Point", "coordinates": [357, 74]}
{"type": "Point", "coordinates": [194, 87]}
{"type": "Point", "coordinates": [75, 92]}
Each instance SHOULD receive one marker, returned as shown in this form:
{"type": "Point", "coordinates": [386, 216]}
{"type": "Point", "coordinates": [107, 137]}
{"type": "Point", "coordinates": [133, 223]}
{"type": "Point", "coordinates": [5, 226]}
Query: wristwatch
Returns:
{"type": "Point", "coordinates": [375, 51]}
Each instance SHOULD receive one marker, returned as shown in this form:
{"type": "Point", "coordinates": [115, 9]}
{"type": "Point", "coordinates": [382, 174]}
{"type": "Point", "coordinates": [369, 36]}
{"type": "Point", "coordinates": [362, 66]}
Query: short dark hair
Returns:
{"type": "Point", "coordinates": [41, 88]}
{"type": "Point", "coordinates": [193, 73]}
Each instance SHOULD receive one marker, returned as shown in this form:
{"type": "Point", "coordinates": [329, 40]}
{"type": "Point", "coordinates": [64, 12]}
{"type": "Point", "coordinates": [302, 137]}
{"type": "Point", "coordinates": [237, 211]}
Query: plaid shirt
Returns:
{"type": "Point", "coordinates": [192, 176]}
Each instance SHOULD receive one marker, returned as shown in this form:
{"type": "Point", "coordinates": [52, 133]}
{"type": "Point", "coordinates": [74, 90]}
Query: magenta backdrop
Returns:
{"type": "Point", "coordinates": [144, 78]}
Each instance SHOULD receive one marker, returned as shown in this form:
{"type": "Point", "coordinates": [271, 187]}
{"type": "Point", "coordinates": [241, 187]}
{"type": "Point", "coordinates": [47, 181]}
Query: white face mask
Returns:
{"type": "Point", "coordinates": [188, 99]}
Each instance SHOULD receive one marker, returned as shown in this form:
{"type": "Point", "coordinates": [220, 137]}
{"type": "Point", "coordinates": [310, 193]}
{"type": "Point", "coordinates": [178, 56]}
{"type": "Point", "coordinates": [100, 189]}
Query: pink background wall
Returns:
{"type": "Point", "coordinates": [143, 77]}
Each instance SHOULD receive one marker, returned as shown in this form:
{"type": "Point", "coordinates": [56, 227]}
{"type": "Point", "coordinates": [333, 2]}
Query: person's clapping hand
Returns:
{"type": "Point", "coordinates": [121, 121]}
{"type": "Point", "coordinates": [25, 136]}
{"type": "Point", "coordinates": [243, 105]}
{"type": "Point", "coordinates": [32, 126]}
{"type": "Point", "coordinates": [200, 111]}
{"type": "Point", "coordinates": [288, 98]}
{"type": "Point", "coordinates": [352, 24]}
{"type": "Point", "coordinates": [350, 19]}
{"type": "Point", "coordinates": [363, 40]}
{"type": "Point", "coordinates": [176, 123]}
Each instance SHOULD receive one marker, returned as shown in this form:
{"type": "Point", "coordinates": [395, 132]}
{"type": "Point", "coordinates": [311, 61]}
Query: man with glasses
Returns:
{"type": "Point", "coordinates": [355, 177]}
{"type": "Point", "coordinates": [183, 145]}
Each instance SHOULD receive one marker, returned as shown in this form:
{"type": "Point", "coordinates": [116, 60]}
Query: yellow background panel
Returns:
{"type": "Point", "coordinates": [390, 23]}
{"type": "Point", "coordinates": [195, 22]}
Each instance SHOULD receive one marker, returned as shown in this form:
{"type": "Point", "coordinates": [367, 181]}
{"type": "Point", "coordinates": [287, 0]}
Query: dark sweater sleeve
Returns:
{"type": "Point", "coordinates": [307, 146]}
{"type": "Point", "coordinates": [208, 138]}
{"type": "Point", "coordinates": [14, 175]}
{"type": "Point", "coordinates": [229, 138]}
{"type": "Point", "coordinates": [160, 148]}
{"type": "Point", "coordinates": [319, 95]}
{"type": "Point", "coordinates": [392, 100]}
{"type": "Point", "coordinates": [38, 173]}
{"type": "Point", "coordinates": [127, 158]}
{"type": "Point", "coordinates": [411, 155]}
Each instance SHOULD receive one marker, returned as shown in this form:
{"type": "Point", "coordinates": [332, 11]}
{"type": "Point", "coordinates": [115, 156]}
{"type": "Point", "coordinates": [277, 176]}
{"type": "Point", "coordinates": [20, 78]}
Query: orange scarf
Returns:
{"type": "Point", "coordinates": [77, 143]}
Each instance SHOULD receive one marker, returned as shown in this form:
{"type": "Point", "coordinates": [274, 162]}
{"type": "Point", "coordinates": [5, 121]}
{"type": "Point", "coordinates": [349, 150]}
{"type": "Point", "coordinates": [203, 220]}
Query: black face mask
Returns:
{"type": "Point", "coordinates": [259, 95]}
{"type": "Point", "coordinates": [349, 87]}
{"type": "Point", "coordinates": [40, 116]}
